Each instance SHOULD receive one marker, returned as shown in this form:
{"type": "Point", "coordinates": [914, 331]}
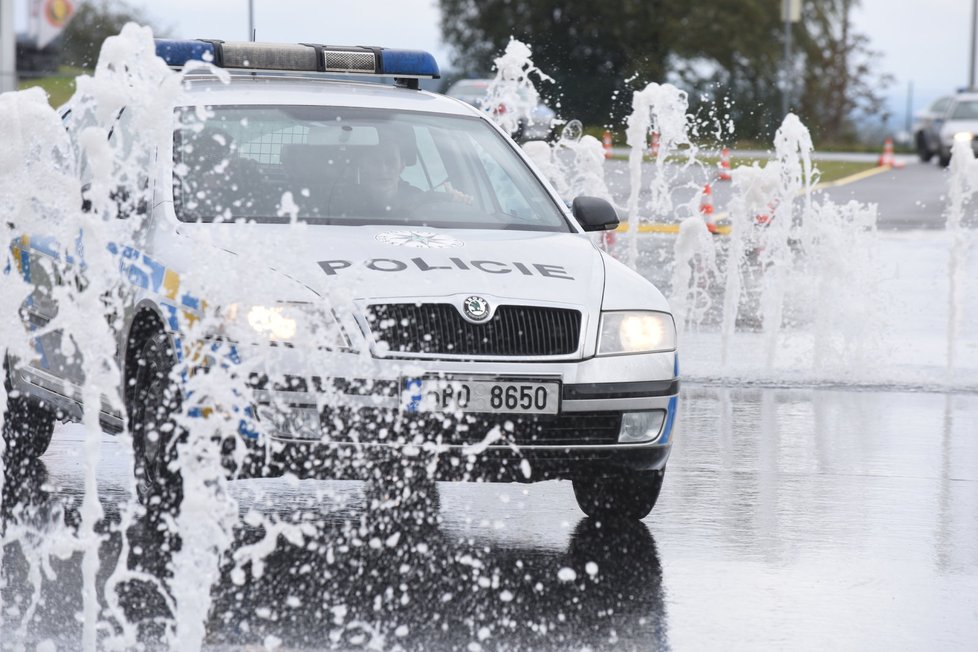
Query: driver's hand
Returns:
{"type": "Point", "coordinates": [457, 195]}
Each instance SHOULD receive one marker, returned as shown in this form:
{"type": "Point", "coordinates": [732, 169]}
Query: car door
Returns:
{"type": "Point", "coordinates": [44, 263]}
{"type": "Point", "coordinates": [55, 270]}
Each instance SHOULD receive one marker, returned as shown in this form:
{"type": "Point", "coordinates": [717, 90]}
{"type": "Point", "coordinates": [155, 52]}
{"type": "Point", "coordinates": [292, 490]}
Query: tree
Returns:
{"type": "Point", "coordinates": [731, 55]}
{"type": "Point", "coordinates": [93, 22]}
{"type": "Point", "coordinates": [591, 49]}
{"type": "Point", "coordinates": [838, 69]}
{"type": "Point", "coordinates": [596, 51]}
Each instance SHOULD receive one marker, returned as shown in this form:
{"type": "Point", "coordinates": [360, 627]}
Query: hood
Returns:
{"type": "Point", "coordinates": [374, 264]}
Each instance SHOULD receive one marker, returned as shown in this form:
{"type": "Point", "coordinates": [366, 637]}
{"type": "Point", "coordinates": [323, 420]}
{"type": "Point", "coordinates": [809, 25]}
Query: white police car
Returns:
{"type": "Point", "coordinates": [391, 272]}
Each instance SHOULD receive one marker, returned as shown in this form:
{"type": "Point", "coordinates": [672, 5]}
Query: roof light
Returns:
{"type": "Point", "coordinates": [409, 62]}
{"type": "Point", "coordinates": [300, 57]}
{"type": "Point", "coordinates": [177, 53]}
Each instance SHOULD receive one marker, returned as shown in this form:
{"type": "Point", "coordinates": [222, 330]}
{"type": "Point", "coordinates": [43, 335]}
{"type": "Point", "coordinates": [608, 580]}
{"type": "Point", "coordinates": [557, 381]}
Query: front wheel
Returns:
{"type": "Point", "coordinates": [155, 403]}
{"type": "Point", "coordinates": [944, 157]}
{"type": "Point", "coordinates": [923, 151]}
{"type": "Point", "coordinates": [627, 495]}
{"type": "Point", "coordinates": [27, 428]}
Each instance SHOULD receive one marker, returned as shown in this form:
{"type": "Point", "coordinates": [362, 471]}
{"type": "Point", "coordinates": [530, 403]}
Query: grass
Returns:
{"type": "Point", "coordinates": [835, 170]}
{"type": "Point", "coordinates": [59, 87]}
{"type": "Point", "coordinates": [829, 170]}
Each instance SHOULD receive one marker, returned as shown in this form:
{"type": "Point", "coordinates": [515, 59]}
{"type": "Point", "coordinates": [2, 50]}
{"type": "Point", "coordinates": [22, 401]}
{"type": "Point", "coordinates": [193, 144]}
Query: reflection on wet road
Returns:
{"type": "Point", "coordinates": [789, 519]}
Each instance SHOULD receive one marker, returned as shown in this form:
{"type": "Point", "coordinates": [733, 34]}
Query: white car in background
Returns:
{"type": "Point", "coordinates": [389, 274]}
{"type": "Point", "coordinates": [959, 122]}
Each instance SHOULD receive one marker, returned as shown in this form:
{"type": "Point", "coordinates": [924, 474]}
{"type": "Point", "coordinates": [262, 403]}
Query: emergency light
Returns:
{"type": "Point", "coordinates": [301, 57]}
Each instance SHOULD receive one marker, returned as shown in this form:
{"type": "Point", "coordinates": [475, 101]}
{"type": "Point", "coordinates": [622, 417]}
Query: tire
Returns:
{"type": "Point", "coordinates": [27, 427]}
{"type": "Point", "coordinates": [923, 152]}
{"type": "Point", "coordinates": [629, 495]}
{"type": "Point", "coordinates": [155, 402]}
{"type": "Point", "coordinates": [943, 157]}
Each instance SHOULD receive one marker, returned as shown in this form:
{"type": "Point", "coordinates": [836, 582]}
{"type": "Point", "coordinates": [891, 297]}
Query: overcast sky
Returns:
{"type": "Point", "coordinates": [923, 41]}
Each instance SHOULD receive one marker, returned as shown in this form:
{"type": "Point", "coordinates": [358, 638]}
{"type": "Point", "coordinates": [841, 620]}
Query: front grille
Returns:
{"type": "Point", "coordinates": [438, 328]}
{"type": "Point", "coordinates": [570, 429]}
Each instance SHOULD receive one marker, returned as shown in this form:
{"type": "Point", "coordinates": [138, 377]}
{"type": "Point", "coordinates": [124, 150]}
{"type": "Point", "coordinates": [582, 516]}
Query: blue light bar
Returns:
{"type": "Point", "coordinates": [300, 57]}
{"type": "Point", "coordinates": [416, 63]}
{"type": "Point", "coordinates": [178, 53]}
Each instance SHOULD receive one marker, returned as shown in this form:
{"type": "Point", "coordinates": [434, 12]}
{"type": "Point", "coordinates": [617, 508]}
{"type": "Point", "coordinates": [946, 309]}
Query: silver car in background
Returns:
{"type": "Point", "coordinates": [959, 122]}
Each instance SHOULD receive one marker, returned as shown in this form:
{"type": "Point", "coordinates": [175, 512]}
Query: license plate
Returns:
{"type": "Point", "coordinates": [490, 396]}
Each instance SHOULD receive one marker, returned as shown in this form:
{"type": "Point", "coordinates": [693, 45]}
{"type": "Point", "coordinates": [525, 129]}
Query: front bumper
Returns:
{"type": "Point", "coordinates": [494, 464]}
{"type": "Point", "coordinates": [327, 425]}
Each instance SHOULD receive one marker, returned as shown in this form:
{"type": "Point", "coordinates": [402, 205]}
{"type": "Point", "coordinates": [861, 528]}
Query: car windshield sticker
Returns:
{"type": "Point", "coordinates": [419, 239]}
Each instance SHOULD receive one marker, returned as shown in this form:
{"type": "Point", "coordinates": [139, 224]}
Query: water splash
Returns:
{"type": "Point", "coordinates": [133, 87]}
{"type": "Point", "coordinates": [819, 254]}
{"type": "Point", "coordinates": [793, 147]}
{"type": "Point", "coordinates": [657, 108]}
{"type": "Point", "coordinates": [512, 94]}
{"type": "Point", "coordinates": [962, 188]}
{"type": "Point", "coordinates": [574, 163]}
{"type": "Point", "coordinates": [694, 271]}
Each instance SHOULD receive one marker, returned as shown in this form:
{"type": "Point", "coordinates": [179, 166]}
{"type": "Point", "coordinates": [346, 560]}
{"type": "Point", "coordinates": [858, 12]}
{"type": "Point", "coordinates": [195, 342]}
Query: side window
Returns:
{"type": "Point", "coordinates": [135, 197]}
{"type": "Point", "coordinates": [940, 106]}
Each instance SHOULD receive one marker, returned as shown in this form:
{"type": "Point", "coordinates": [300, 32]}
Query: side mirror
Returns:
{"type": "Point", "coordinates": [594, 214]}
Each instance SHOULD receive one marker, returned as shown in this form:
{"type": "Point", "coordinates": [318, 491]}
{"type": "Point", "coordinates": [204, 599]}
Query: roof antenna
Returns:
{"type": "Point", "coordinates": [251, 20]}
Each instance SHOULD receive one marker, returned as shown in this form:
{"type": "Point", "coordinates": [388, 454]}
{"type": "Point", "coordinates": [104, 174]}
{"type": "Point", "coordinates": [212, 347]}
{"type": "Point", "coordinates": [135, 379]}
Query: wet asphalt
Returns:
{"type": "Point", "coordinates": [789, 519]}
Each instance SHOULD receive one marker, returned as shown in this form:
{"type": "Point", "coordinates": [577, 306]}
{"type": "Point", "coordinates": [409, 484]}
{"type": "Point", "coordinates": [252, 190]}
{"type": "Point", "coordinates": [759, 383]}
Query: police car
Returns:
{"type": "Point", "coordinates": [393, 275]}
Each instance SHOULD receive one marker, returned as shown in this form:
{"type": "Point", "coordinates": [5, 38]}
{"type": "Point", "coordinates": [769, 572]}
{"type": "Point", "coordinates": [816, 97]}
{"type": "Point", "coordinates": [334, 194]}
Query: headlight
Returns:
{"type": "Point", "coordinates": [964, 136]}
{"type": "Point", "coordinates": [636, 332]}
{"type": "Point", "coordinates": [289, 322]}
{"type": "Point", "coordinates": [272, 322]}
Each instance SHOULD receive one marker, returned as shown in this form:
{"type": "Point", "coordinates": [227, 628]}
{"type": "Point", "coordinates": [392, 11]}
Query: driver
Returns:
{"type": "Point", "coordinates": [382, 168]}
{"type": "Point", "coordinates": [381, 191]}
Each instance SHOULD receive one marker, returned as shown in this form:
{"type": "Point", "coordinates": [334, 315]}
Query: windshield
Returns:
{"type": "Point", "coordinates": [328, 165]}
{"type": "Point", "coordinates": [965, 110]}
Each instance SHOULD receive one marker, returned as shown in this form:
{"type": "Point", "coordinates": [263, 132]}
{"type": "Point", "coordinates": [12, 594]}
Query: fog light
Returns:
{"type": "Point", "coordinates": [641, 427]}
{"type": "Point", "coordinates": [294, 423]}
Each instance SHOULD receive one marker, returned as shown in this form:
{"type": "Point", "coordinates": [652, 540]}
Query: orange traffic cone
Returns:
{"type": "Point", "coordinates": [724, 165]}
{"type": "Point", "coordinates": [654, 145]}
{"type": "Point", "coordinates": [886, 158]}
{"type": "Point", "coordinates": [606, 141]}
{"type": "Point", "coordinates": [706, 208]}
